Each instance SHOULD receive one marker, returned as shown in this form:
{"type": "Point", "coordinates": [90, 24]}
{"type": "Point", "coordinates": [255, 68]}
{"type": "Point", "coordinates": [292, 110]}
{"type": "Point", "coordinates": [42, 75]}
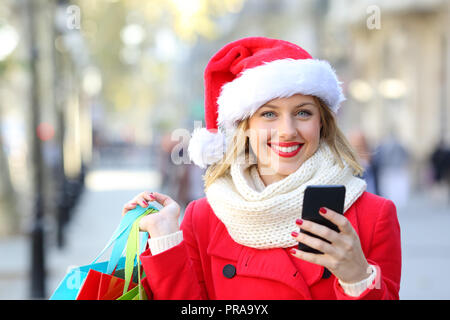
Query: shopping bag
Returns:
{"type": "Point", "coordinates": [142, 289]}
{"type": "Point", "coordinates": [73, 281]}
{"type": "Point", "coordinates": [102, 286]}
{"type": "Point", "coordinates": [111, 287]}
{"type": "Point", "coordinates": [132, 254]}
{"type": "Point", "coordinates": [137, 293]}
{"type": "Point", "coordinates": [69, 287]}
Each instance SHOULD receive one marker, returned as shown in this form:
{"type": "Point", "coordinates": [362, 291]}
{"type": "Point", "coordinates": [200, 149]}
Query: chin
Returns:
{"type": "Point", "coordinates": [287, 170]}
{"type": "Point", "coordinates": [284, 169]}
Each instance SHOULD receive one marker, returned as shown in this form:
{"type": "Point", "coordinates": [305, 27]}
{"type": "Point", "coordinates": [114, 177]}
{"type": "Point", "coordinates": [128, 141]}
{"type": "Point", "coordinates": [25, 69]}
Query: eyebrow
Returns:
{"type": "Point", "coordinates": [298, 106]}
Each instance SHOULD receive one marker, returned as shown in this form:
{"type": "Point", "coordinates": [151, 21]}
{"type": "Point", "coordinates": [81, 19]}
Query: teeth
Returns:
{"type": "Point", "coordinates": [285, 149]}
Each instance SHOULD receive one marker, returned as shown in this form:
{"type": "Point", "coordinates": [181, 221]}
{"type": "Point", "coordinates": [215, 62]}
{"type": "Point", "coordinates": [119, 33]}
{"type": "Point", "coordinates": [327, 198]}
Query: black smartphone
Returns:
{"type": "Point", "coordinates": [315, 197]}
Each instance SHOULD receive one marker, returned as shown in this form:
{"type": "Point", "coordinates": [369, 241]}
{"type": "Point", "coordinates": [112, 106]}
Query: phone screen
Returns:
{"type": "Point", "coordinates": [315, 197]}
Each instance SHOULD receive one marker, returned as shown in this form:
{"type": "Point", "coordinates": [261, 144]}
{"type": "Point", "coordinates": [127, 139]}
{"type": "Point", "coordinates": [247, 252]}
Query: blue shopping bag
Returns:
{"type": "Point", "coordinates": [69, 287]}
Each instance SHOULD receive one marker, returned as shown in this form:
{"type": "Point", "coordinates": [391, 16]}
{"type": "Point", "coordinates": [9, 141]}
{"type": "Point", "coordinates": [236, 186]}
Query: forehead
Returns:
{"type": "Point", "coordinates": [292, 101]}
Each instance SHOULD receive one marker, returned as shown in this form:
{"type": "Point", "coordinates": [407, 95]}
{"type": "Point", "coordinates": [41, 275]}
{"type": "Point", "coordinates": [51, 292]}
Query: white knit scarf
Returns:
{"type": "Point", "coordinates": [262, 216]}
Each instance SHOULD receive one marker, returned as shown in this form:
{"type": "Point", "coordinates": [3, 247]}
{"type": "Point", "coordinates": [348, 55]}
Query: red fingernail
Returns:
{"type": "Point", "coordinates": [299, 222]}
{"type": "Point", "coordinates": [292, 251]}
{"type": "Point", "coordinates": [323, 210]}
{"type": "Point", "coordinates": [294, 234]}
{"type": "Point", "coordinates": [145, 204]}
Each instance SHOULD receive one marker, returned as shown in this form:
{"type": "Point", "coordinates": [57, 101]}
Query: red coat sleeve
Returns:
{"type": "Point", "coordinates": [176, 274]}
{"type": "Point", "coordinates": [385, 255]}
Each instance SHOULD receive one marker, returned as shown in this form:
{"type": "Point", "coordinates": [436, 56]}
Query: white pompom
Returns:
{"type": "Point", "coordinates": [205, 147]}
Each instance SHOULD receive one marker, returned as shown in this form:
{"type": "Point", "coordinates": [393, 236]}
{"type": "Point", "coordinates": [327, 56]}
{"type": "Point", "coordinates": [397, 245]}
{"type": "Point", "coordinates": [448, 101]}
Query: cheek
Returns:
{"type": "Point", "coordinates": [258, 134]}
{"type": "Point", "coordinates": [258, 141]}
{"type": "Point", "coordinates": [311, 132]}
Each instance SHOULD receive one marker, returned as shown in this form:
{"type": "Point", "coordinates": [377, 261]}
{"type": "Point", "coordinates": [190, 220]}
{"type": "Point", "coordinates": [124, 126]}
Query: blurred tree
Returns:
{"type": "Point", "coordinates": [8, 207]}
{"type": "Point", "coordinates": [136, 45]}
{"type": "Point", "coordinates": [8, 210]}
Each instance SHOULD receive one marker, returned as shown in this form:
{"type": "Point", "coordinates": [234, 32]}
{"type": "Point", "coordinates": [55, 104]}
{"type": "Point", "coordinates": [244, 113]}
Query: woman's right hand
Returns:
{"type": "Point", "coordinates": [157, 224]}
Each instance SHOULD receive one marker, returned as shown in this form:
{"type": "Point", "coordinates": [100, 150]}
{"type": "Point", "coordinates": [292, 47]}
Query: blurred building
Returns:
{"type": "Point", "coordinates": [394, 58]}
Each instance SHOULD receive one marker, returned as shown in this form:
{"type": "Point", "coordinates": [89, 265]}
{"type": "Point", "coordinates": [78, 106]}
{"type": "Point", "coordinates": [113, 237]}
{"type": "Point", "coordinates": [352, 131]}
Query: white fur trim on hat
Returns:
{"type": "Point", "coordinates": [240, 98]}
{"type": "Point", "coordinates": [206, 147]}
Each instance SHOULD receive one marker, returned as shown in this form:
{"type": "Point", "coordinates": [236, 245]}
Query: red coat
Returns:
{"type": "Point", "coordinates": [194, 269]}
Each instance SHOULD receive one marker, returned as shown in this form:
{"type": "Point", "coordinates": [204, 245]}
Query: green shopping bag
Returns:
{"type": "Point", "coordinates": [132, 255]}
{"type": "Point", "coordinates": [137, 293]}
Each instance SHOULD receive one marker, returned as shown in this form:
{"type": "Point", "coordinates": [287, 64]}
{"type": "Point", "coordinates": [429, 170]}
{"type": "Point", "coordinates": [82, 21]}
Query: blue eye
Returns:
{"type": "Point", "coordinates": [306, 113]}
{"type": "Point", "coordinates": [266, 113]}
{"type": "Point", "coordinates": [271, 114]}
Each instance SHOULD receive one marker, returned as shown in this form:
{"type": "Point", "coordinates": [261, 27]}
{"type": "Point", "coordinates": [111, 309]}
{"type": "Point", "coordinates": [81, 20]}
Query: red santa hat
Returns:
{"type": "Point", "coordinates": [246, 74]}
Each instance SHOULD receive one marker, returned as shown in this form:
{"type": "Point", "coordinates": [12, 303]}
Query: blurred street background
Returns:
{"type": "Point", "coordinates": [97, 99]}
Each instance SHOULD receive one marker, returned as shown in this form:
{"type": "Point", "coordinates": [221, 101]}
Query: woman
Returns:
{"type": "Point", "coordinates": [270, 132]}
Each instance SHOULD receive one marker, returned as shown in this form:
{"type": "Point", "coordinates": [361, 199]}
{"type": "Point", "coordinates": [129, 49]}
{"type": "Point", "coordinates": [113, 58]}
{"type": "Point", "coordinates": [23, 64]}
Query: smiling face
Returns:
{"type": "Point", "coordinates": [283, 134]}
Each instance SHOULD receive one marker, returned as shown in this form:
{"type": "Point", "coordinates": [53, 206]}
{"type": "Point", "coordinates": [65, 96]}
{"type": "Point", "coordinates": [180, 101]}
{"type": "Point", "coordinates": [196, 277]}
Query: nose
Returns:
{"type": "Point", "coordinates": [287, 129]}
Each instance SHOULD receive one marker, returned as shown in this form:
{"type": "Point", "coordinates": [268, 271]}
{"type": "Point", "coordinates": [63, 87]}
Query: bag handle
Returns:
{"type": "Point", "coordinates": [121, 234]}
{"type": "Point", "coordinates": [133, 250]}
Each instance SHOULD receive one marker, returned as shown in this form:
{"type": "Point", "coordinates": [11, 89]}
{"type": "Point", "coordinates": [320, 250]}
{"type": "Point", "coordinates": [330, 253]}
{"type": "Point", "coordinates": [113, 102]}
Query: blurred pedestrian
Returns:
{"type": "Point", "coordinates": [168, 169]}
{"type": "Point", "coordinates": [393, 168]}
{"type": "Point", "coordinates": [440, 162]}
{"type": "Point", "coordinates": [190, 183]}
{"type": "Point", "coordinates": [178, 176]}
{"type": "Point", "coordinates": [359, 142]}
{"type": "Point", "coordinates": [270, 132]}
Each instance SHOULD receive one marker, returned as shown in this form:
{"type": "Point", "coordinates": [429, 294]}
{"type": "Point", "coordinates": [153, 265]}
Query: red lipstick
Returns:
{"type": "Point", "coordinates": [286, 154]}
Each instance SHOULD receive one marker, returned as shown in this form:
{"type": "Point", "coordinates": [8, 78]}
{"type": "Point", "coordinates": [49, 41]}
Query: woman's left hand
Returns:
{"type": "Point", "coordinates": [343, 257]}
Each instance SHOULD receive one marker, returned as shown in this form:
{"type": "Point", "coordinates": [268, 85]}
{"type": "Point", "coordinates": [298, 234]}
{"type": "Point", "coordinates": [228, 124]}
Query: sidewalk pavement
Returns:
{"type": "Point", "coordinates": [424, 226]}
{"type": "Point", "coordinates": [96, 217]}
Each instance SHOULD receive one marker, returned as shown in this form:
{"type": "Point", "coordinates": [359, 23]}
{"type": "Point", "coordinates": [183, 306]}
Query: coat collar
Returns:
{"type": "Point", "coordinates": [272, 264]}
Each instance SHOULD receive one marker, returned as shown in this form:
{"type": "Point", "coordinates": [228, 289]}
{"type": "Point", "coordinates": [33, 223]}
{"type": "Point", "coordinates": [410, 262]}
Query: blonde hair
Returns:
{"type": "Point", "coordinates": [330, 133]}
